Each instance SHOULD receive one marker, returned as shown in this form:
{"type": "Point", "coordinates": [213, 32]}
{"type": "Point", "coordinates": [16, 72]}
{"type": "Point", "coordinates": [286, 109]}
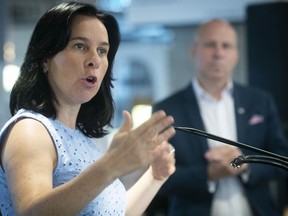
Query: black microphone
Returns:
{"type": "Point", "coordinates": [237, 162]}
{"type": "Point", "coordinates": [268, 157]}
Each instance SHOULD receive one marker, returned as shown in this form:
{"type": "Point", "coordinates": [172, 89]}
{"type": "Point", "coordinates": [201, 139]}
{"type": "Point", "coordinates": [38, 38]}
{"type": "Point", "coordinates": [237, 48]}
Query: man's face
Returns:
{"type": "Point", "coordinates": [215, 53]}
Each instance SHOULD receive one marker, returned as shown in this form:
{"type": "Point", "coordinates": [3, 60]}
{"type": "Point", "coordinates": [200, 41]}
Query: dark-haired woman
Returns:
{"type": "Point", "coordinates": [62, 99]}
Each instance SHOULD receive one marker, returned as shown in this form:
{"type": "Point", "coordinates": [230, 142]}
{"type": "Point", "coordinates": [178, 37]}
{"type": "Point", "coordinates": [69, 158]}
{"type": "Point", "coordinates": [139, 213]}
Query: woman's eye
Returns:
{"type": "Point", "coordinates": [102, 51]}
{"type": "Point", "coordinates": [79, 46]}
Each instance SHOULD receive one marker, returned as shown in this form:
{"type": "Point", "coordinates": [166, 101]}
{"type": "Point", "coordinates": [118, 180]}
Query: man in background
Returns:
{"type": "Point", "coordinates": [205, 184]}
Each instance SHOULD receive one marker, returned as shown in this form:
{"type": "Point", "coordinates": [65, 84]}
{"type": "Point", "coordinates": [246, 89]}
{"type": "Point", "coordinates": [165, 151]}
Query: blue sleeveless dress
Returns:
{"type": "Point", "coordinates": [75, 153]}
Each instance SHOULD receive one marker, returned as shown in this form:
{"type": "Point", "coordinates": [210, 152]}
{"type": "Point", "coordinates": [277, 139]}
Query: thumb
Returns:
{"type": "Point", "coordinates": [127, 122]}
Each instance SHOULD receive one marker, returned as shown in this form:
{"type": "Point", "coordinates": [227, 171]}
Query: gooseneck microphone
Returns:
{"type": "Point", "coordinates": [264, 157]}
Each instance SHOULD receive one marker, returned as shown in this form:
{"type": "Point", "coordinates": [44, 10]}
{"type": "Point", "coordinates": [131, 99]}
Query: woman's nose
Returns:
{"type": "Point", "coordinates": [93, 60]}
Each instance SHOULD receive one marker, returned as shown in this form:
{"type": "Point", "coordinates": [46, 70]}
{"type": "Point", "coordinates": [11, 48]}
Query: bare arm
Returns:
{"type": "Point", "coordinates": [142, 193]}
{"type": "Point", "coordinates": [29, 158]}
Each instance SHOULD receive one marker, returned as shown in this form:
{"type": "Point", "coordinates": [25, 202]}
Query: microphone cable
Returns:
{"type": "Point", "coordinates": [265, 157]}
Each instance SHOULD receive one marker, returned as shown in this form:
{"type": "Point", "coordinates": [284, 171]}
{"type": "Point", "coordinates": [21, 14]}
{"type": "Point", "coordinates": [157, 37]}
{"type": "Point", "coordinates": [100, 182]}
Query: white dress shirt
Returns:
{"type": "Point", "coordinates": [219, 119]}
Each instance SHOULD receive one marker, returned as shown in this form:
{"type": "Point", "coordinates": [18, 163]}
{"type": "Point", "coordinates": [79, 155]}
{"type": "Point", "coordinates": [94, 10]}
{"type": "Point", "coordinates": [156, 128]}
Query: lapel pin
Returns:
{"type": "Point", "coordinates": [241, 110]}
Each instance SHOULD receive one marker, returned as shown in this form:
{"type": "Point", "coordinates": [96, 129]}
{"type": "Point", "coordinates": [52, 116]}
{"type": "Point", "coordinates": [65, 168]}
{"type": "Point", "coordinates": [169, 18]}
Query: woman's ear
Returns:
{"type": "Point", "coordinates": [45, 66]}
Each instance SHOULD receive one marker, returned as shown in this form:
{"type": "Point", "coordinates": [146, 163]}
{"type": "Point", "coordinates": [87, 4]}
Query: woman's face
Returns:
{"type": "Point", "coordinates": [75, 74]}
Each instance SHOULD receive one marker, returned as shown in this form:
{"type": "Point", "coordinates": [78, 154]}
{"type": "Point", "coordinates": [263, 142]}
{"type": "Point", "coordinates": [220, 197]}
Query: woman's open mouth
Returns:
{"type": "Point", "coordinates": [90, 81]}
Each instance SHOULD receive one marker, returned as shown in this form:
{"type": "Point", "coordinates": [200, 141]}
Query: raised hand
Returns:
{"type": "Point", "coordinates": [163, 164]}
{"type": "Point", "coordinates": [132, 149]}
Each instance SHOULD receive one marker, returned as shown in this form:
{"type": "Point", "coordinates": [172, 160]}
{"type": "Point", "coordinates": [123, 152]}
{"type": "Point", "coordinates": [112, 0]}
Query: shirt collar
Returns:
{"type": "Point", "coordinates": [201, 93]}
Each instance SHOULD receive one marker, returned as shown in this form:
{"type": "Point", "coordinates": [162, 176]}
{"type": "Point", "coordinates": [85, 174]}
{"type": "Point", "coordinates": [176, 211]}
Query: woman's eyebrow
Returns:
{"type": "Point", "coordinates": [104, 43]}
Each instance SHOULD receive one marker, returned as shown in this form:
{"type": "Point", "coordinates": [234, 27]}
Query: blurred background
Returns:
{"type": "Point", "coordinates": [153, 58]}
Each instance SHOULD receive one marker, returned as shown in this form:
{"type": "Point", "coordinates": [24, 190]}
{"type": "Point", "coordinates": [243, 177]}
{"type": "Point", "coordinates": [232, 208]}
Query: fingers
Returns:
{"type": "Point", "coordinates": [136, 148]}
{"type": "Point", "coordinates": [222, 153]}
{"type": "Point", "coordinates": [220, 161]}
{"type": "Point", "coordinates": [127, 122]}
{"type": "Point", "coordinates": [154, 131]}
{"type": "Point", "coordinates": [163, 164]}
{"type": "Point", "coordinates": [166, 134]}
{"type": "Point", "coordinates": [164, 148]}
{"type": "Point", "coordinates": [157, 124]}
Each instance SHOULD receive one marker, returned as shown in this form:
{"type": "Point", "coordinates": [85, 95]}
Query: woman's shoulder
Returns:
{"type": "Point", "coordinates": [29, 118]}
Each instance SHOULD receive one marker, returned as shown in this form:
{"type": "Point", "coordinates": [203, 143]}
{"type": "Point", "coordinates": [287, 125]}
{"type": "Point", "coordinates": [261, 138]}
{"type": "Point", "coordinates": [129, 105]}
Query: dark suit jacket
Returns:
{"type": "Point", "coordinates": [187, 187]}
